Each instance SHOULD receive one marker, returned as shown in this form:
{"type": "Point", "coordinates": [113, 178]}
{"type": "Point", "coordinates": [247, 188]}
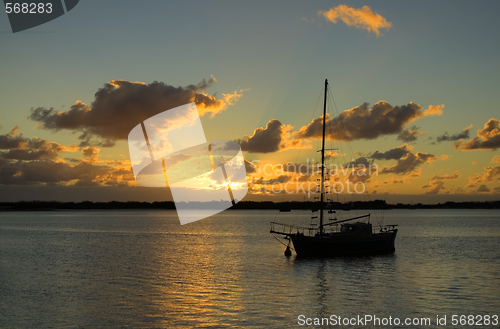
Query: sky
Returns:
{"type": "Point", "coordinates": [415, 85]}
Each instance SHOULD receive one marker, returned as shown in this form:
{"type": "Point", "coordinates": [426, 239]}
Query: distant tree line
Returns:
{"type": "Point", "coordinates": [284, 206]}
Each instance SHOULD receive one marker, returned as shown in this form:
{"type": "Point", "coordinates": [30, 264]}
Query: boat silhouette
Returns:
{"type": "Point", "coordinates": [331, 239]}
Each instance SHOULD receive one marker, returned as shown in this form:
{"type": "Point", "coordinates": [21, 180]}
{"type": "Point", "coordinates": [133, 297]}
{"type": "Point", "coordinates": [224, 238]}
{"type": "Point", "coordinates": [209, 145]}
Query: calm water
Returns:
{"type": "Point", "coordinates": [114, 269]}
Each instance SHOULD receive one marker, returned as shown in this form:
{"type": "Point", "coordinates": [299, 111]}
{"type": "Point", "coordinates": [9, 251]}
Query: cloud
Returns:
{"type": "Point", "coordinates": [250, 167]}
{"type": "Point", "coordinates": [488, 138]}
{"type": "Point", "coordinates": [273, 138]}
{"type": "Point", "coordinates": [446, 176]}
{"type": "Point", "coordinates": [410, 134]}
{"type": "Point", "coordinates": [363, 18]}
{"type": "Point", "coordinates": [30, 154]}
{"type": "Point", "coordinates": [414, 173]}
{"type": "Point", "coordinates": [58, 172]}
{"type": "Point", "coordinates": [359, 162]}
{"type": "Point", "coordinates": [492, 175]}
{"type": "Point", "coordinates": [433, 110]}
{"type": "Point", "coordinates": [280, 179]}
{"type": "Point", "coordinates": [90, 155]}
{"type": "Point", "coordinates": [331, 155]}
{"type": "Point", "coordinates": [393, 154]}
{"type": "Point", "coordinates": [18, 147]}
{"type": "Point", "coordinates": [48, 172]}
{"type": "Point", "coordinates": [409, 163]}
{"type": "Point", "coordinates": [174, 159]}
{"type": "Point", "coordinates": [34, 161]}
{"type": "Point", "coordinates": [11, 141]}
{"type": "Point", "coordinates": [120, 105]}
{"type": "Point", "coordinates": [391, 180]}
{"type": "Point", "coordinates": [90, 151]}
{"type": "Point", "coordinates": [362, 122]}
{"type": "Point", "coordinates": [496, 159]}
{"type": "Point", "coordinates": [482, 188]}
{"type": "Point", "coordinates": [360, 170]}
{"type": "Point", "coordinates": [361, 174]}
{"type": "Point", "coordinates": [464, 134]}
{"type": "Point", "coordinates": [434, 187]}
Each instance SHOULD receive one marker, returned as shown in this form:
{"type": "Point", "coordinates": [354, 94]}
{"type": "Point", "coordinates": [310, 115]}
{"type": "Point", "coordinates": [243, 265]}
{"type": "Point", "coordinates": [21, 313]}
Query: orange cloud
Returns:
{"type": "Point", "coordinates": [409, 163]}
{"type": "Point", "coordinates": [120, 105]}
{"type": "Point", "coordinates": [446, 176]}
{"type": "Point", "coordinates": [492, 175]}
{"type": "Point", "coordinates": [487, 138]}
{"type": "Point", "coordinates": [393, 154]}
{"type": "Point", "coordinates": [363, 18]}
{"type": "Point", "coordinates": [363, 122]}
{"type": "Point", "coordinates": [14, 130]}
{"type": "Point", "coordinates": [329, 155]}
{"type": "Point", "coordinates": [391, 180]}
{"type": "Point", "coordinates": [413, 174]}
{"type": "Point", "coordinates": [434, 187]}
{"type": "Point", "coordinates": [90, 154]}
{"type": "Point", "coordinates": [215, 106]}
{"type": "Point", "coordinates": [434, 110]}
{"type": "Point", "coordinates": [410, 134]}
{"type": "Point", "coordinates": [90, 151]}
{"type": "Point", "coordinates": [21, 148]}
{"type": "Point", "coordinates": [273, 138]}
{"type": "Point", "coordinates": [361, 174]}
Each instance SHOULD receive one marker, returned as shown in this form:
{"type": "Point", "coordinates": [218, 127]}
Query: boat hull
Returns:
{"type": "Point", "coordinates": [343, 244]}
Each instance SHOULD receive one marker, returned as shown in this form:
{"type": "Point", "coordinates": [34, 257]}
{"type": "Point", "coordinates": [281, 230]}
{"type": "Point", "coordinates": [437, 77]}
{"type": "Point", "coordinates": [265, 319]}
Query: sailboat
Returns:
{"type": "Point", "coordinates": [355, 236]}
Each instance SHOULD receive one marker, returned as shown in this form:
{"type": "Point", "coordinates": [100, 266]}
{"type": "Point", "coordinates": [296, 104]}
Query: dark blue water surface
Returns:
{"type": "Point", "coordinates": [142, 269]}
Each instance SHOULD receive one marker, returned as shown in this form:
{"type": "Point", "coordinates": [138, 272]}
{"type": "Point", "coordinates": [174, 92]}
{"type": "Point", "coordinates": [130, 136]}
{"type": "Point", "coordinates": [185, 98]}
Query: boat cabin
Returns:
{"type": "Point", "coordinates": [357, 228]}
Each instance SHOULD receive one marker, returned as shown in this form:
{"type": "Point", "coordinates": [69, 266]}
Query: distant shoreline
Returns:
{"type": "Point", "coordinates": [376, 204]}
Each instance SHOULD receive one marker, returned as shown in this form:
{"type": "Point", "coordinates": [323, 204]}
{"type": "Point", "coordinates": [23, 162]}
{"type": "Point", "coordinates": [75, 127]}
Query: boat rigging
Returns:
{"type": "Point", "coordinates": [357, 238]}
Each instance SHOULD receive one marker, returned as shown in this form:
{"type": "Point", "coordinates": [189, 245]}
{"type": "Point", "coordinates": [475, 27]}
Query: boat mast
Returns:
{"type": "Point", "coordinates": [321, 229]}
